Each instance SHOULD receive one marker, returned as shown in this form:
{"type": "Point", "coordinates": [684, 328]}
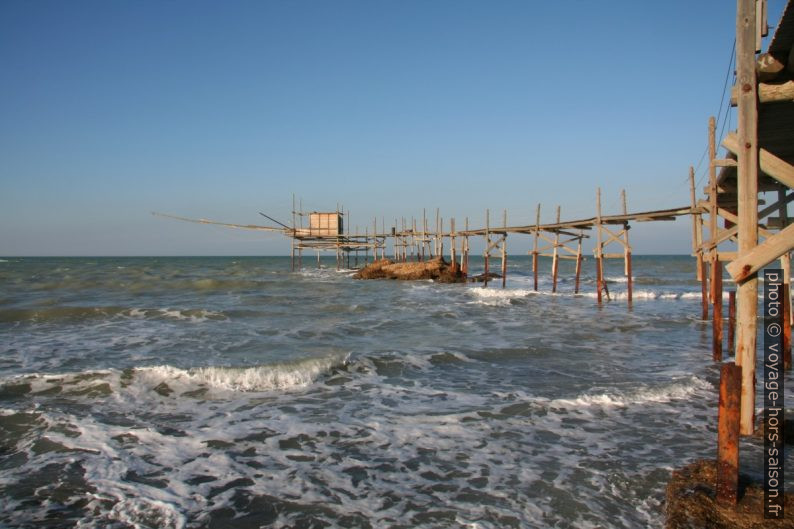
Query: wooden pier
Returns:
{"type": "Point", "coordinates": [730, 234]}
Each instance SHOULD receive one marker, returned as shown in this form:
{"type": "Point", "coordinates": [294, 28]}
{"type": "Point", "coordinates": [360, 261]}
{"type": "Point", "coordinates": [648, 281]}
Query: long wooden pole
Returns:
{"type": "Point", "coordinates": [504, 252]}
{"type": "Point", "coordinates": [554, 256]}
{"type": "Point", "coordinates": [697, 248]}
{"type": "Point", "coordinates": [747, 179]}
{"type": "Point", "coordinates": [535, 250]}
{"type": "Point", "coordinates": [599, 260]}
{"type": "Point", "coordinates": [627, 252]}
{"type": "Point", "coordinates": [578, 264]}
{"type": "Point", "coordinates": [716, 267]}
{"type": "Point", "coordinates": [466, 249]}
{"type": "Point", "coordinates": [732, 322]}
{"type": "Point", "coordinates": [452, 258]}
{"type": "Point", "coordinates": [487, 246]}
{"type": "Point", "coordinates": [785, 264]}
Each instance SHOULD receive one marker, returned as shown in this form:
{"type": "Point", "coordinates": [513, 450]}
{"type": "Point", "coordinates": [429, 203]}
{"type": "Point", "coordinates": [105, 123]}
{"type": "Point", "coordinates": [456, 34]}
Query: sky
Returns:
{"type": "Point", "coordinates": [220, 110]}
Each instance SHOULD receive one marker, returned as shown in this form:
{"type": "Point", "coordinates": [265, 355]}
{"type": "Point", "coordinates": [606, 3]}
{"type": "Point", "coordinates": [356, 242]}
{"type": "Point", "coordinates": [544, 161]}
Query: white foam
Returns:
{"type": "Point", "coordinates": [667, 393]}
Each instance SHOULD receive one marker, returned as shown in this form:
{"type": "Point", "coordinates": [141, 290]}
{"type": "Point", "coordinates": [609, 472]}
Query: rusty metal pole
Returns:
{"type": "Point", "coordinates": [728, 434]}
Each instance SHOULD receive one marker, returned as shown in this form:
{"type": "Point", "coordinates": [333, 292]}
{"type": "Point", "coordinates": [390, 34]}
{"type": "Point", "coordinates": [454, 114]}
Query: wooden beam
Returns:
{"type": "Point", "coordinates": [771, 93]}
{"type": "Point", "coordinates": [769, 65]}
{"type": "Point", "coordinates": [747, 181]}
{"type": "Point", "coordinates": [747, 264]}
{"type": "Point", "coordinates": [778, 169]}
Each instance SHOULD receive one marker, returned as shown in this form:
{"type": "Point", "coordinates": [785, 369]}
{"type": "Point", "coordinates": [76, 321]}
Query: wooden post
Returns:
{"type": "Point", "coordinates": [452, 258]}
{"type": "Point", "coordinates": [599, 259]}
{"type": "Point", "coordinates": [578, 264]}
{"type": "Point", "coordinates": [627, 252]}
{"type": "Point", "coordinates": [785, 264]}
{"type": "Point", "coordinates": [786, 327]}
{"type": "Point", "coordinates": [716, 267]}
{"type": "Point", "coordinates": [487, 244]}
{"type": "Point", "coordinates": [535, 250]}
{"type": "Point", "coordinates": [294, 233]}
{"type": "Point", "coordinates": [436, 250]}
{"type": "Point", "coordinates": [697, 248]}
{"type": "Point", "coordinates": [504, 252]}
{"type": "Point", "coordinates": [440, 238]}
{"type": "Point", "coordinates": [716, 301]}
{"type": "Point", "coordinates": [465, 263]}
{"type": "Point", "coordinates": [747, 180]}
{"type": "Point", "coordinates": [732, 322]}
{"type": "Point", "coordinates": [555, 256]}
{"type": "Point", "coordinates": [728, 434]}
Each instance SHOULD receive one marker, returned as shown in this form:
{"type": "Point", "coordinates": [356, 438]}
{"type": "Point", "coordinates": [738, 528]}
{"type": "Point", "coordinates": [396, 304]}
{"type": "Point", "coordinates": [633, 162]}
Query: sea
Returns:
{"type": "Point", "coordinates": [192, 392]}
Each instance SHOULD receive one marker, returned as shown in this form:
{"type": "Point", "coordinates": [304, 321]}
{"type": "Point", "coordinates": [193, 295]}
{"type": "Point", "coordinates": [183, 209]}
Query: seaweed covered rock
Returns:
{"type": "Point", "coordinates": [436, 269]}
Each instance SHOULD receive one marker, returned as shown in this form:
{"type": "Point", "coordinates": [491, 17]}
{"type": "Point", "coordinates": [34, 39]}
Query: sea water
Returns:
{"type": "Point", "coordinates": [232, 392]}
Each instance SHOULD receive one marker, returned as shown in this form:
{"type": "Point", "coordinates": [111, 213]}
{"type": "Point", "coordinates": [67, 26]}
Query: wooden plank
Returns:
{"type": "Point", "coordinates": [770, 93]}
{"type": "Point", "coordinates": [724, 162]}
{"type": "Point", "coordinates": [747, 182]}
{"type": "Point", "coordinates": [778, 169]}
{"type": "Point", "coordinates": [748, 263]}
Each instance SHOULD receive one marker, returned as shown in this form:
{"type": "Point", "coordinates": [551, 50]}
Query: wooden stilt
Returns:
{"type": "Point", "coordinates": [504, 252]}
{"type": "Point", "coordinates": [785, 264]}
{"type": "Point", "coordinates": [440, 237]}
{"type": "Point", "coordinates": [731, 322]}
{"type": "Point", "coordinates": [697, 248]}
{"type": "Point", "coordinates": [487, 246]}
{"type": "Point", "coordinates": [436, 248]}
{"type": "Point", "coordinates": [747, 180]}
{"type": "Point", "coordinates": [599, 258]}
{"type": "Point", "coordinates": [555, 256]}
{"type": "Point", "coordinates": [627, 252]}
{"type": "Point", "coordinates": [535, 250]}
{"type": "Point", "coordinates": [466, 249]}
{"type": "Point", "coordinates": [716, 303]}
{"type": "Point", "coordinates": [728, 434]}
{"type": "Point", "coordinates": [704, 298]}
{"type": "Point", "coordinates": [578, 265]}
{"type": "Point", "coordinates": [452, 257]}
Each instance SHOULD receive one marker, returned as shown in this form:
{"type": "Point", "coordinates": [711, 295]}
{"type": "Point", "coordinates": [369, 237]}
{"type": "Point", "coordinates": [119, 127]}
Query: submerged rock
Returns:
{"type": "Point", "coordinates": [691, 502]}
{"type": "Point", "coordinates": [436, 269]}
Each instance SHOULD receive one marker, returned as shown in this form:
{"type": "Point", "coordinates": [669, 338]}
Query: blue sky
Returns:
{"type": "Point", "coordinates": [110, 110]}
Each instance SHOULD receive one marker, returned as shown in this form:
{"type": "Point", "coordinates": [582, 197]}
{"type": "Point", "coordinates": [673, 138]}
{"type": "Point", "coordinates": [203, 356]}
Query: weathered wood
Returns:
{"type": "Point", "coordinates": [769, 65]}
{"type": "Point", "coordinates": [770, 164]}
{"type": "Point", "coordinates": [728, 433]}
{"type": "Point", "coordinates": [769, 93]}
{"type": "Point", "coordinates": [466, 251]}
{"type": "Point", "coordinates": [786, 326]}
{"type": "Point", "coordinates": [578, 266]}
{"type": "Point", "coordinates": [487, 249]}
{"type": "Point", "coordinates": [747, 181]}
{"type": "Point", "coordinates": [731, 322]}
{"type": "Point", "coordinates": [554, 261]}
{"type": "Point", "coordinates": [724, 162]}
{"type": "Point", "coordinates": [748, 263]}
{"type": "Point", "coordinates": [716, 307]}
{"type": "Point", "coordinates": [704, 286]}
{"type": "Point", "coordinates": [599, 258]}
{"type": "Point", "coordinates": [535, 251]}
{"type": "Point", "coordinates": [452, 257]}
{"type": "Point", "coordinates": [627, 252]}
{"type": "Point", "coordinates": [504, 253]}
